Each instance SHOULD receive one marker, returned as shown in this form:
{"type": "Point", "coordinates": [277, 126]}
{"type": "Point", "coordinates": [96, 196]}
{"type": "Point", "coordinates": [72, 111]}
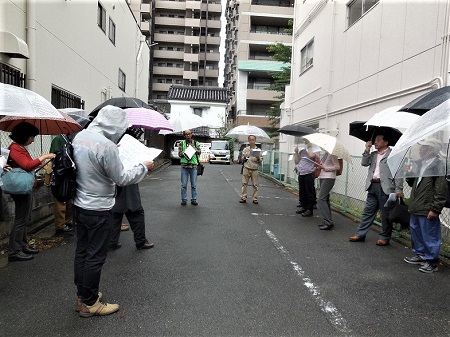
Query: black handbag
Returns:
{"type": "Point", "coordinates": [399, 213]}
{"type": "Point", "coordinates": [200, 169]}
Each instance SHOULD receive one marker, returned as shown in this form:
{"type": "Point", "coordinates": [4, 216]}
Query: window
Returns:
{"type": "Point", "coordinates": [357, 8]}
{"type": "Point", "coordinates": [307, 55]}
{"type": "Point", "coordinates": [112, 31]}
{"type": "Point", "coordinates": [101, 17]}
{"type": "Point", "coordinates": [122, 80]}
{"type": "Point", "coordinates": [10, 75]}
{"type": "Point", "coordinates": [198, 111]}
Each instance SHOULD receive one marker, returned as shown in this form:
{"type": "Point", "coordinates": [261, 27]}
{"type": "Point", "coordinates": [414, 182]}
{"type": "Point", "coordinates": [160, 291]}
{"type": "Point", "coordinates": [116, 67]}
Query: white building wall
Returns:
{"type": "Point", "coordinates": [384, 59]}
{"type": "Point", "coordinates": [73, 53]}
{"type": "Point", "coordinates": [214, 114]}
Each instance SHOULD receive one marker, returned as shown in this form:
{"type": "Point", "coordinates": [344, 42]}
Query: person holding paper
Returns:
{"type": "Point", "coordinates": [305, 164]}
{"type": "Point", "coordinates": [99, 171]}
{"type": "Point", "coordinates": [188, 151]}
{"type": "Point", "coordinates": [251, 157]}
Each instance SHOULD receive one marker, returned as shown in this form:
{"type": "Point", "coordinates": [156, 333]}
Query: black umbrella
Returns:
{"type": "Point", "coordinates": [427, 101]}
{"type": "Point", "coordinates": [366, 133]}
{"type": "Point", "coordinates": [121, 102]}
{"type": "Point", "coordinates": [296, 130]}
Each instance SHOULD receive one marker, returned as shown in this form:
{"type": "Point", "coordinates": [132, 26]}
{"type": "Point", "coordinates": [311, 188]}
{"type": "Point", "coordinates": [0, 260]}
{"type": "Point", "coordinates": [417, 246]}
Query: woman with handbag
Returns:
{"type": "Point", "coordinates": [327, 178]}
{"type": "Point", "coordinates": [22, 135]}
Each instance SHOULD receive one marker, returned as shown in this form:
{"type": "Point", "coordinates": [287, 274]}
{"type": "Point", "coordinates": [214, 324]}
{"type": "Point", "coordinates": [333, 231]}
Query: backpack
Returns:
{"type": "Point", "coordinates": [63, 184]}
{"type": "Point", "coordinates": [341, 167]}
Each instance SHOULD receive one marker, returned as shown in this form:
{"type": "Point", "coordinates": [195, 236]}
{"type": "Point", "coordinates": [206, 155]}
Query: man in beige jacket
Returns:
{"type": "Point", "coordinates": [250, 169]}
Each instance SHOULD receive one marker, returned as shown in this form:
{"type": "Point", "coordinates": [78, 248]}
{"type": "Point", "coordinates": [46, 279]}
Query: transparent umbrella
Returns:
{"type": "Point", "coordinates": [247, 130]}
{"type": "Point", "coordinates": [330, 144]}
{"type": "Point", "coordinates": [423, 150]}
{"type": "Point", "coordinates": [392, 117]}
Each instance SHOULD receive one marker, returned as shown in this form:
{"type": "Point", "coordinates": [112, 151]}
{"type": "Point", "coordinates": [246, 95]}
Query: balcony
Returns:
{"type": "Point", "coordinates": [210, 56]}
{"type": "Point", "coordinates": [213, 40]}
{"type": "Point", "coordinates": [188, 22]}
{"type": "Point", "coordinates": [171, 71]}
{"type": "Point", "coordinates": [190, 57]}
{"type": "Point", "coordinates": [168, 54]}
{"type": "Point", "coordinates": [256, 120]}
{"type": "Point", "coordinates": [165, 21]}
{"type": "Point", "coordinates": [211, 24]}
{"type": "Point", "coordinates": [169, 38]}
{"type": "Point", "coordinates": [194, 40]}
{"type": "Point", "coordinates": [162, 4]}
{"type": "Point", "coordinates": [271, 38]}
{"type": "Point", "coordinates": [216, 8]}
{"type": "Point", "coordinates": [193, 5]}
{"type": "Point", "coordinates": [208, 72]}
{"type": "Point", "coordinates": [161, 86]}
{"type": "Point", "coordinates": [262, 95]}
{"type": "Point", "coordinates": [190, 75]}
{"type": "Point", "coordinates": [145, 8]}
{"type": "Point", "coordinates": [145, 26]}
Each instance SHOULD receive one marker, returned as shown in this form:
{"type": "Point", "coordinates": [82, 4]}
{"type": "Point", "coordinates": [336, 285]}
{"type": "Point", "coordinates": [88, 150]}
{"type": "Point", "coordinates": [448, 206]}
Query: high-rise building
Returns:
{"type": "Point", "coordinates": [252, 25]}
{"type": "Point", "coordinates": [184, 36]}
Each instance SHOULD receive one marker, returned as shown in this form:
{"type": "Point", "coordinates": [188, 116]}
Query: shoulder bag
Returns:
{"type": "Point", "coordinates": [399, 213]}
{"type": "Point", "coordinates": [18, 181]}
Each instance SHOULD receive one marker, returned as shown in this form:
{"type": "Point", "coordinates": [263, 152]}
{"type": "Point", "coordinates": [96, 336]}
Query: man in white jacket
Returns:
{"type": "Point", "coordinates": [99, 170]}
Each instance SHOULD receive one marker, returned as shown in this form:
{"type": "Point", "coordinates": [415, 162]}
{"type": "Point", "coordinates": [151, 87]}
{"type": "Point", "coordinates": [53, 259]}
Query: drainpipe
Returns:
{"type": "Point", "coordinates": [330, 73]}
{"type": "Point", "coordinates": [31, 42]}
{"type": "Point", "coordinates": [138, 57]}
{"type": "Point", "coordinates": [445, 45]}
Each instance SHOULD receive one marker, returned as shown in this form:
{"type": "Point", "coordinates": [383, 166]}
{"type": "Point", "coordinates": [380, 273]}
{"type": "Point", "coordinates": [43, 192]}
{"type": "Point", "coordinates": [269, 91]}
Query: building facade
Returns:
{"type": "Point", "coordinates": [74, 64]}
{"type": "Point", "coordinates": [184, 37]}
{"type": "Point", "coordinates": [353, 59]}
{"type": "Point", "coordinates": [251, 26]}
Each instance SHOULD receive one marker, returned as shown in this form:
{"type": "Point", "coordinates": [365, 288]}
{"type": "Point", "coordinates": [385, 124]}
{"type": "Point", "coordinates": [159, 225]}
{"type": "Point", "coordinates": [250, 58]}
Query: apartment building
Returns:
{"type": "Point", "coordinates": [184, 36]}
{"type": "Point", "coordinates": [353, 59]}
{"type": "Point", "coordinates": [251, 26]}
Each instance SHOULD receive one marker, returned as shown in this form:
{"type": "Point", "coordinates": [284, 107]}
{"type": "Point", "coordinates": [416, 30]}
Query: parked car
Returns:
{"type": "Point", "coordinates": [219, 152]}
{"type": "Point", "coordinates": [242, 147]}
{"type": "Point", "coordinates": [174, 158]}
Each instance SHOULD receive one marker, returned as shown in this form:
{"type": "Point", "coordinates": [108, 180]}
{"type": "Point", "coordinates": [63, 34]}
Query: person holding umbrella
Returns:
{"type": "Point", "coordinates": [250, 170]}
{"type": "Point", "coordinates": [189, 167]}
{"type": "Point", "coordinates": [22, 135]}
{"type": "Point", "coordinates": [379, 184]}
{"type": "Point", "coordinates": [428, 196]}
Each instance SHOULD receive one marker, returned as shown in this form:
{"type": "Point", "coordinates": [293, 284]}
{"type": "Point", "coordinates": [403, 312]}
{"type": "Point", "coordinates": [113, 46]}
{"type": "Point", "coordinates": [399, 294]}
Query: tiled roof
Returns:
{"type": "Point", "coordinates": [199, 94]}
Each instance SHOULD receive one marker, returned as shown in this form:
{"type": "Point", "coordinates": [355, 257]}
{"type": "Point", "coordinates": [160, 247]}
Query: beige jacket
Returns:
{"type": "Point", "coordinates": [252, 162]}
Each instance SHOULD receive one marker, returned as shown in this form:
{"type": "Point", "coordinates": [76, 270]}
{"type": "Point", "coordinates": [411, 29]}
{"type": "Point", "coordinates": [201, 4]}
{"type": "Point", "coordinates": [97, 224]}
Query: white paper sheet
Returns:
{"type": "Point", "coordinates": [132, 152]}
{"type": "Point", "coordinates": [255, 152]}
{"type": "Point", "coordinates": [189, 152]}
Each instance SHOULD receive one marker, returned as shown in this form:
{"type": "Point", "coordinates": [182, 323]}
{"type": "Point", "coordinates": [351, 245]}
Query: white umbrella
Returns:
{"type": "Point", "coordinates": [19, 102]}
{"type": "Point", "coordinates": [432, 129]}
{"type": "Point", "coordinates": [247, 130]}
{"type": "Point", "coordinates": [330, 144]}
{"type": "Point", "coordinates": [393, 118]}
{"type": "Point", "coordinates": [185, 121]}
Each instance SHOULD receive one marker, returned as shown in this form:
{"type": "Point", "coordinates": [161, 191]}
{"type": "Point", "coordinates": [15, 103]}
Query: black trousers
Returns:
{"type": "Point", "coordinates": [136, 220]}
{"type": "Point", "coordinates": [93, 235]}
{"type": "Point", "coordinates": [307, 191]}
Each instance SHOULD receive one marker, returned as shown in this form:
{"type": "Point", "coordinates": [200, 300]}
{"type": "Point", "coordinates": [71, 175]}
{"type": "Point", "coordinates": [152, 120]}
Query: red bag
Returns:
{"type": "Point", "coordinates": [317, 170]}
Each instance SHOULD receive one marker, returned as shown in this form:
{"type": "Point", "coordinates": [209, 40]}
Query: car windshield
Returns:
{"type": "Point", "coordinates": [219, 146]}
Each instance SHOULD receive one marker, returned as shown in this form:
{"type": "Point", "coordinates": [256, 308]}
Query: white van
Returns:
{"type": "Point", "coordinates": [219, 152]}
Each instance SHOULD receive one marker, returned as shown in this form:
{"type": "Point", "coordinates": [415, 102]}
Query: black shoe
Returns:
{"type": "Point", "coordinates": [146, 245]}
{"type": "Point", "coordinates": [301, 210]}
{"type": "Point", "coordinates": [65, 229]}
{"type": "Point", "coordinates": [114, 247]}
{"type": "Point", "coordinates": [325, 227]}
{"type": "Point", "coordinates": [21, 256]}
{"type": "Point", "coordinates": [28, 250]}
{"type": "Point", "coordinates": [307, 213]}
{"type": "Point", "coordinates": [183, 203]}
{"type": "Point", "coordinates": [299, 205]}
{"type": "Point", "coordinates": [242, 201]}
{"type": "Point", "coordinates": [194, 202]}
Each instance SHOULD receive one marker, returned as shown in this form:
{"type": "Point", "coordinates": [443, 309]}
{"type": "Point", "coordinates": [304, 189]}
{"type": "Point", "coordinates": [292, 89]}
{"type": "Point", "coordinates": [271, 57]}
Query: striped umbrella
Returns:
{"type": "Point", "coordinates": [46, 125]}
{"type": "Point", "coordinates": [147, 119]}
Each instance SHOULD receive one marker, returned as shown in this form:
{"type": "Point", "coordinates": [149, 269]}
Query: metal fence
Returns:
{"type": "Point", "coordinates": [348, 194]}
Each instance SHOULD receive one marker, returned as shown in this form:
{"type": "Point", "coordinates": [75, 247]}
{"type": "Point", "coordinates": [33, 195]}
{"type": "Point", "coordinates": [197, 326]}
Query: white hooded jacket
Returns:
{"type": "Point", "coordinates": [99, 168]}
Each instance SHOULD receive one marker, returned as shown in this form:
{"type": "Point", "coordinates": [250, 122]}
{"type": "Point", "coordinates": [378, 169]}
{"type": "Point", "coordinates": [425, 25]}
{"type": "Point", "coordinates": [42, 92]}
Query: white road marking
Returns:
{"type": "Point", "coordinates": [330, 311]}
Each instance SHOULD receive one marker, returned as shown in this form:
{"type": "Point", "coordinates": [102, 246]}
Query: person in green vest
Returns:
{"type": "Point", "coordinates": [189, 162]}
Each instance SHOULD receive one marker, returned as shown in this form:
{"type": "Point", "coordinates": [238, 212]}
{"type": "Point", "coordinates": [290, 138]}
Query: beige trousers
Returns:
{"type": "Point", "coordinates": [246, 175]}
{"type": "Point", "coordinates": [63, 214]}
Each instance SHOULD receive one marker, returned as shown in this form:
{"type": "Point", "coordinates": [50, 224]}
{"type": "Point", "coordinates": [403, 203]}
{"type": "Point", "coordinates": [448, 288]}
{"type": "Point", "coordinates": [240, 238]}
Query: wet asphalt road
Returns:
{"type": "Point", "coordinates": [229, 269]}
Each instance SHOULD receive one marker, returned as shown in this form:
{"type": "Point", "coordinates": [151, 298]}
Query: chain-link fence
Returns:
{"type": "Point", "coordinates": [348, 194]}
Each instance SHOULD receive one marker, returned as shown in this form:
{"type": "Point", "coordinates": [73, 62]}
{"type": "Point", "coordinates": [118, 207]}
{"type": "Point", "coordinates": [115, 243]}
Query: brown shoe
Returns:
{"type": "Point", "coordinates": [146, 245]}
{"type": "Point", "coordinates": [356, 238]}
{"type": "Point", "coordinates": [79, 302]}
{"type": "Point", "coordinates": [382, 243]}
{"type": "Point", "coordinates": [124, 227]}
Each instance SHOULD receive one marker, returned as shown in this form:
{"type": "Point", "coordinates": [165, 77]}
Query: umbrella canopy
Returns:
{"type": "Point", "coordinates": [121, 102]}
{"type": "Point", "coordinates": [78, 115]}
{"type": "Point", "coordinates": [427, 101]}
{"type": "Point", "coordinates": [147, 119]}
{"type": "Point", "coordinates": [392, 117]}
{"type": "Point", "coordinates": [15, 101]}
{"type": "Point", "coordinates": [46, 125]}
{"type": "Point", "coordinates": [368, 132]}
{"type": "Point", "coordinates": [247, 130]}
{"type": "Point", "coordinates": [426, 141]}
{"type": "Point", "coordinates": [185, 121]}
{"type": "Point", "coordinates": [296, 130]}
{"type": "Point", "coordinates": [330, 144]}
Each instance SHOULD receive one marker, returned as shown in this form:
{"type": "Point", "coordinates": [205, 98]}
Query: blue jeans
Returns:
{"type": "Point", "coordinates": [188, 173]}
{"type": "Point", "coordinates": [425, 237]}
{"type": "Point", "coordinates": [376, 199]}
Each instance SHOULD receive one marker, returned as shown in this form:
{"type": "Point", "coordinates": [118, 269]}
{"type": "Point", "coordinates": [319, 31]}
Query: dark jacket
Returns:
{"type": "Point", "coordinates": [429, 195]}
